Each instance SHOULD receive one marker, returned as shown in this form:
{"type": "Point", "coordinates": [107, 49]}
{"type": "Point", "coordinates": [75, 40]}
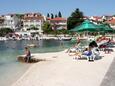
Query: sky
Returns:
{"type": "Point", "coordinates": [66, 7]}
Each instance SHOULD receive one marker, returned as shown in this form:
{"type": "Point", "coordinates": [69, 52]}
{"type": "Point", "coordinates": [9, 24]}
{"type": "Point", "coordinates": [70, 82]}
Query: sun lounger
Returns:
{"type": "Point", "coordinates": [91, 56]}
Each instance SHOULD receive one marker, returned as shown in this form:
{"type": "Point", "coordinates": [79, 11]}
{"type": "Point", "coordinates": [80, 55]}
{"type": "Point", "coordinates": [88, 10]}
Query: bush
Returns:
{"type": "Point", "coordinates": [5, 31]}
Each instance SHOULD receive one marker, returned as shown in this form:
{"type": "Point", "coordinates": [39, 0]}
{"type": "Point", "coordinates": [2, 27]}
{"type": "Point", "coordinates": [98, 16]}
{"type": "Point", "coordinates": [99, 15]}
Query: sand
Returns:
{"type": "Point", "coordinates": [60, 69]}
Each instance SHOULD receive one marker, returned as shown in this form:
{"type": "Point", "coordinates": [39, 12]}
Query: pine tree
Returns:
{"type": "Point", "coordinates": [52, 16]}
{"type": "Point", "coordinates": [48, 15]}
{"type": "Point", "coordinates": [59, 14]}
{"type": "Point", "coordinates": [75, 19]}
{"type": "Point", "coordinates": [56, 16]}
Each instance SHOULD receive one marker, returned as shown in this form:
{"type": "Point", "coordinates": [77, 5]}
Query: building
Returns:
{"type": "Point", "coordinates": [33, 20]}
{"type": "Point", "coordinates": [106, 17]}
{"type": "Point", "coordinates": [11, 21]}
{"type": "Point", "coordinates": [96, 19]}
{"type": "Point", "coordinates": [1, 21]}
{"type": "Point", "coordinates": [111, 23]}
{"type": "Point", "coordinates": [58, 23]}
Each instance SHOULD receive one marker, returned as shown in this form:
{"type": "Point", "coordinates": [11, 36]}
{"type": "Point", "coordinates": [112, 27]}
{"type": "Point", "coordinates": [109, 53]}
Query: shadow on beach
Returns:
{"type": "Point", "coordinates": [99, 58]}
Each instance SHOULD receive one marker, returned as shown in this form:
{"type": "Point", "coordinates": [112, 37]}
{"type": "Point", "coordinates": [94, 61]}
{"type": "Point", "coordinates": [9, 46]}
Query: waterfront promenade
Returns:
{"type": "Point", "coordinates": [60, 69]}
{"type": "Point", "coordinates": [109, 79]}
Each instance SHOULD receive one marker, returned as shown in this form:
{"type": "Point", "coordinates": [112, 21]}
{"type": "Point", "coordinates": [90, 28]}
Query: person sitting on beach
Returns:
{"type": "Point", "coordinates": [87, 52]}
{"type": "Point", "coordinates": [27, 55]}
{"type": "Point", "coordinates": [73, 49]}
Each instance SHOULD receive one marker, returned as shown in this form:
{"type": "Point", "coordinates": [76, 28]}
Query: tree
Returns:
{"type": "Point", "coordinates": [59, 14]}
{"type": "Point", "coordinates": [52, 16]}
{"type": "Point", "coordinates": [5, 31]}
{"type": "Point", "coordinates": [75, 19]}
{"type": "Point", "coordinates": [20, 15]}
{"type": "Point", "coordinates": [48, 15]}
{"type": "Point", "coordinates": [114, 15]}
{"type": "Point", "coordinates": [47, 27]}
{"type": "Point", "coordinates": [56, 16]}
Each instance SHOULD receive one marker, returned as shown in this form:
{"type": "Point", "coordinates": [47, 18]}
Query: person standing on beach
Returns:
{"type": "Point", "coordinates": [27, 55]}
{"type": "Point", "coordinates": [78, 40]}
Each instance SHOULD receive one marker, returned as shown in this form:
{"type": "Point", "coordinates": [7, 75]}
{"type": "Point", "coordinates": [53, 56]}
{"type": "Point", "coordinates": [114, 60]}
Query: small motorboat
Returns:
{"type": "Point", "coordinates": [31, 45]}
{"type": "Point", "coordinates": [66, 38]}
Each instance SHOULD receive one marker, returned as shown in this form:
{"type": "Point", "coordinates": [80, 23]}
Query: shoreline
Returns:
{"type": "Point", "coordinates": [31, 67]}
{"type": "Point", "coordinates": [60, 69]}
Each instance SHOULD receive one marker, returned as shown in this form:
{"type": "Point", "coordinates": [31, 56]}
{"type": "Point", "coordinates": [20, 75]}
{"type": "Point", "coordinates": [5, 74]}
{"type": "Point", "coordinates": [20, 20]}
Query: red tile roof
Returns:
{"type": "Point", "coordinates": [97, 18]}
{"type": "Point", "coordinates": [48, 18]}
{"type": "Point", "coordinates": [86, 17]}
{"type": "Point", "coordinates": [33, 18]}
{"type": "Point", "coordinates": [32, 13]}
{"type": "Point", "coordinates": [58, 19]}
{"type": "Point", "coordinates": [111, 21]}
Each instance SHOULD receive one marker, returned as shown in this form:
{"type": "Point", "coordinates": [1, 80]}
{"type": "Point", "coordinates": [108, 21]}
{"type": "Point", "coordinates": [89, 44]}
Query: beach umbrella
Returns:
{"type": "Point", "coordinates": [86, 26]}
{"type": "Point", "coordinates": [105, 28]}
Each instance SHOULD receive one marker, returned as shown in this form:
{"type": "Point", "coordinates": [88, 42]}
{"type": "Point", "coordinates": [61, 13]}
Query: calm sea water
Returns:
{"type": "Point", "coordinates": [11, 69]}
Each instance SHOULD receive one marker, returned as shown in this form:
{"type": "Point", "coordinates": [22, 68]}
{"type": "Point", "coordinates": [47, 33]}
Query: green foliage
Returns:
{"type": "Point", "coordinates": [5, 31]}
{"type": "Point", "coordinates": [59, 14]}
{"type": "Point", "coordinates": [63, 31]}
{"type": "Point", "coordinates": [28, 28]}
{"type": "Point", "coordinates": [56, 16]}
{"type": "Point", "coordinates": [114, 15]}
{"type": "Point", "coordinates": [35, 28]}
{"type": "Point", "coordinates": [56, 32]}
{"type": "Point", "coordinates": [19, 15]}
{"type": "Point", "coordinates": [75, 19]}
{"type": "Point", "coordinates": [48, 15]}
{"type": "Point", "coordinates": [52, 15]}
{"type": "Point", "coordinates": [47, 27]}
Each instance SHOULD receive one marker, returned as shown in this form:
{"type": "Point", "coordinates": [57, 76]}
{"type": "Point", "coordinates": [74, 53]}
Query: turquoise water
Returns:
{"type": "Point", "coordinates": [11, 69]}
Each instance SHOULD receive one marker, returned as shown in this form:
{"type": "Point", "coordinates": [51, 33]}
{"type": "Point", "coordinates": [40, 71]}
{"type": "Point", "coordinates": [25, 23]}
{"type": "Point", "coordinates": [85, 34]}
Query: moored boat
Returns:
{"type": "Point", "coordinates": [31, 45]}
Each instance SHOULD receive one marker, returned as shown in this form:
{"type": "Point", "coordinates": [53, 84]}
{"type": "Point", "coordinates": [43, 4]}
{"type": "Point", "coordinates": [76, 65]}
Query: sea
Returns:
{"type": "Point", "coordinates": [10, 69]}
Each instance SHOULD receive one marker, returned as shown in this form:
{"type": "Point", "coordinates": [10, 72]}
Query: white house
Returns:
{"type": "Point", "coordinates": [11, 21]}
{"type": "Point", "coordinates": [106, 17]}
{"type": "Point", "coordinates": [33, 20]}
{"type": "Point", "coordinates": [96, 18]}
{"type": "Point", "coordinates": [1, 21]}
{"type": "Point", "coordinates": [58, 23]}
{"type": "Point", "coordinates": [111, 23]}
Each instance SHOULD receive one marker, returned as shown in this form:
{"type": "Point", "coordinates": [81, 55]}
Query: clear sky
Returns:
{"type": "Point", "coordinates": [88, 7]}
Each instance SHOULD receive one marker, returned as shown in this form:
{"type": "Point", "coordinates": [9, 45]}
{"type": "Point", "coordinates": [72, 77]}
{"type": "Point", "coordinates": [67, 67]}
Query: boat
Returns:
{"type": "Point", "coordinates": [31, 45]}
{"type": "Point", "coordinates": [65, 38]}
{"type": "Point", "coordinates": [3, 39]}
